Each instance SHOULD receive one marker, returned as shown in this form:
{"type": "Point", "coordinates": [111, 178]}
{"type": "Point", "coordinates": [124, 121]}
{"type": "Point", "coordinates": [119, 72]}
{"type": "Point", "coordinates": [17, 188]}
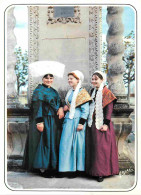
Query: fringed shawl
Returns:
{"type": "Point", "coordinates": [108, 97]}
{"type": "Point", "coordinates": [97, 106]}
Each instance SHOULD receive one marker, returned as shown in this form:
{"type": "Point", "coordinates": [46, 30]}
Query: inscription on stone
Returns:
{"type": "Point", "coordinates": [63, 12]}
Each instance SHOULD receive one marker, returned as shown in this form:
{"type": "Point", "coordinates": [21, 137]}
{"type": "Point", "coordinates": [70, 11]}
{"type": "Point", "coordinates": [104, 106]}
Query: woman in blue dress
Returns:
{"type": "Point", "coordinates": [42, 146]}
{"type": "Point", "coordinates": [72, 143]}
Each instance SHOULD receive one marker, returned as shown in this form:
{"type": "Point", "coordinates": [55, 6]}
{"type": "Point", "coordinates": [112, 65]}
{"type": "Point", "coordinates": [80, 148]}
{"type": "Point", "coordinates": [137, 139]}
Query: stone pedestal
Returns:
{"type": "Point", "coordinates": [123, 127]}
{"type": "Point", "coordinates": [17, 129]}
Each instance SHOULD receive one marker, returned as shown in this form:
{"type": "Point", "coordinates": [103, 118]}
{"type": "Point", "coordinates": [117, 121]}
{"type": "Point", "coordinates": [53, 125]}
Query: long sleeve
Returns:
{"type": "Point", "coordinates": [84, 113]}
{"type": "Point", "coordinates": [59, 102]}
{"type": "Point", "coordinates": [107, 113]}
{"type": "Point", "coordinates": [39, 115]}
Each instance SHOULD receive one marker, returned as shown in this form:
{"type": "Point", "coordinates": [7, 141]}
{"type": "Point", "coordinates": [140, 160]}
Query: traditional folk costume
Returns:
{"type": "Point", "coordinates": [101, 149]}
{"type": "Point", "coordinates": [42, 148]}
{"type": "Point", "coordinates": [72, 143]}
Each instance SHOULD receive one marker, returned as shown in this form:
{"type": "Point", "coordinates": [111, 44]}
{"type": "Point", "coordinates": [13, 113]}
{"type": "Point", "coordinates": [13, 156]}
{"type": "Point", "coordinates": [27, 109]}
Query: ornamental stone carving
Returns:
{"type": "Point", "coordinates": [64, 20]}
{"type": "Point", "coordinates": [95, 40]}
{"type": "Point", "coordinates": [116, 68]}
{"type": "Point", "coordinates": [116, 86]}
{"type": "Point", "coordinates": [33, 33]}
{"type": "Point", "coordinates": [115, 50]}
{"type": "Point", "coordinates": [33, 42]}
{"type": "Point", "coordinates": [116, 28]}
{"type": "Point", "coordinates": [114, 10]}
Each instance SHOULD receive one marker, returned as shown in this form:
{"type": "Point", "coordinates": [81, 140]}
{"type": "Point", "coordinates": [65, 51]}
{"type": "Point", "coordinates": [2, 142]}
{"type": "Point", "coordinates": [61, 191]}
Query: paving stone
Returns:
{"type": "Point", "coordinates": [26, 180]}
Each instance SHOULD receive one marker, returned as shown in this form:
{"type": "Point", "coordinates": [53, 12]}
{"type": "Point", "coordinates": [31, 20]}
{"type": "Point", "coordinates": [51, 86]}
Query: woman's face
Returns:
{"type": "Point", "coordinates": [48, 81]}
{"type": "Point", "coordinates": [96, 81]}
{"type": "Point", "coordinates": [72, 81]}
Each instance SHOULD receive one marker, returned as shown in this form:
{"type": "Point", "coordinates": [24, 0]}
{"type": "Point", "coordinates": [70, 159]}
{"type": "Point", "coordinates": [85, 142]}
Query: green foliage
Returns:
{"type": "Point", "coordinates": [129, 58]}
{"type": "Point", "coordinates": [21, 68]}
{"type": "Point", "coordinates": [104, 61]}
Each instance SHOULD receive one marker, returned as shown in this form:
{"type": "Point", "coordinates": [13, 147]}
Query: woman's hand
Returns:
{"type": "Point", "coordinates": [66, 108]}
{"type": "Point", "coordinates": [60, 113]}
{"type": "Point", "coordinates": [40, 127]}
{"type": "Point", "coordinates": [79, 127]}
{"type": "Point", "coordinates": [104, 128]}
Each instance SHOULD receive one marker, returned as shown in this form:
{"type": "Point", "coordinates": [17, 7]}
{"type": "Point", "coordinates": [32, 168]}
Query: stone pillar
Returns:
{"type": "Point", "coordinates": [121, 119]}
{"type": "Point", "coordinates": [115, 50]}
{"type": "Point", "coordinates": [17, 117]}
{"type": "Point", "coordinates": [11, 58]}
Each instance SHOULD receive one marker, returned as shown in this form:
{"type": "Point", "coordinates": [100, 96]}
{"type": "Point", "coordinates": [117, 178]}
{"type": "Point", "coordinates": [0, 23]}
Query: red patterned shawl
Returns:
{"type": "Point", "coordinates": [108, 96]}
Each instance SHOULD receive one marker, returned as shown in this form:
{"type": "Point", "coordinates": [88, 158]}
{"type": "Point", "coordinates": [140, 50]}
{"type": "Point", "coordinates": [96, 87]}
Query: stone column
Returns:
{"type": "Point", "coordinates": [11, 58]}
{"type": "Point", "coordinates": [115, 50]}
{"type": "Point", "coordinates": [121, 119]}
{"type": "Point", "coordinates": [17, 116]}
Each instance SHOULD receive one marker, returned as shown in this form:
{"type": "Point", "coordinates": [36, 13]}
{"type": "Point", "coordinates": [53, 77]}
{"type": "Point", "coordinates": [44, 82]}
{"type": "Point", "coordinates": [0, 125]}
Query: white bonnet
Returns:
{"type": "Point", "coordinates": [102, 74]}
{"type": "Point", "coordinates": [78, 75]}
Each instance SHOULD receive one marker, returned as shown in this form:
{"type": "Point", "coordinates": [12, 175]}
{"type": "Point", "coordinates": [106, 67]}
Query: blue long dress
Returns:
{"type": "Point", "coordinates": [42, 148]}
{"type": "Point", "coordinates": [72, 143]}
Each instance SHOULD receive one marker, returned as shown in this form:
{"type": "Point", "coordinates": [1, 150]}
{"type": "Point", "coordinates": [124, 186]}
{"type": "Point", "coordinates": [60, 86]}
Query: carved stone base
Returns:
{"type": "Point", "coordinates": [17, 128]}
{"type": "Point", "coordinates": [123, 127]}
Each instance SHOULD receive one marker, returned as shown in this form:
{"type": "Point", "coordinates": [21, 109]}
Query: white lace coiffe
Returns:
{"type": "Point", "coordinates": [97, 105]}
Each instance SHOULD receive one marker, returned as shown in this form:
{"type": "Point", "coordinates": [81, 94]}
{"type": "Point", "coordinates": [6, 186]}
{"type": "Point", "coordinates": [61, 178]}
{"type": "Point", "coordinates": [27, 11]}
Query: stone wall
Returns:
{"type": "Point", "coordinates": [75, 42]}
